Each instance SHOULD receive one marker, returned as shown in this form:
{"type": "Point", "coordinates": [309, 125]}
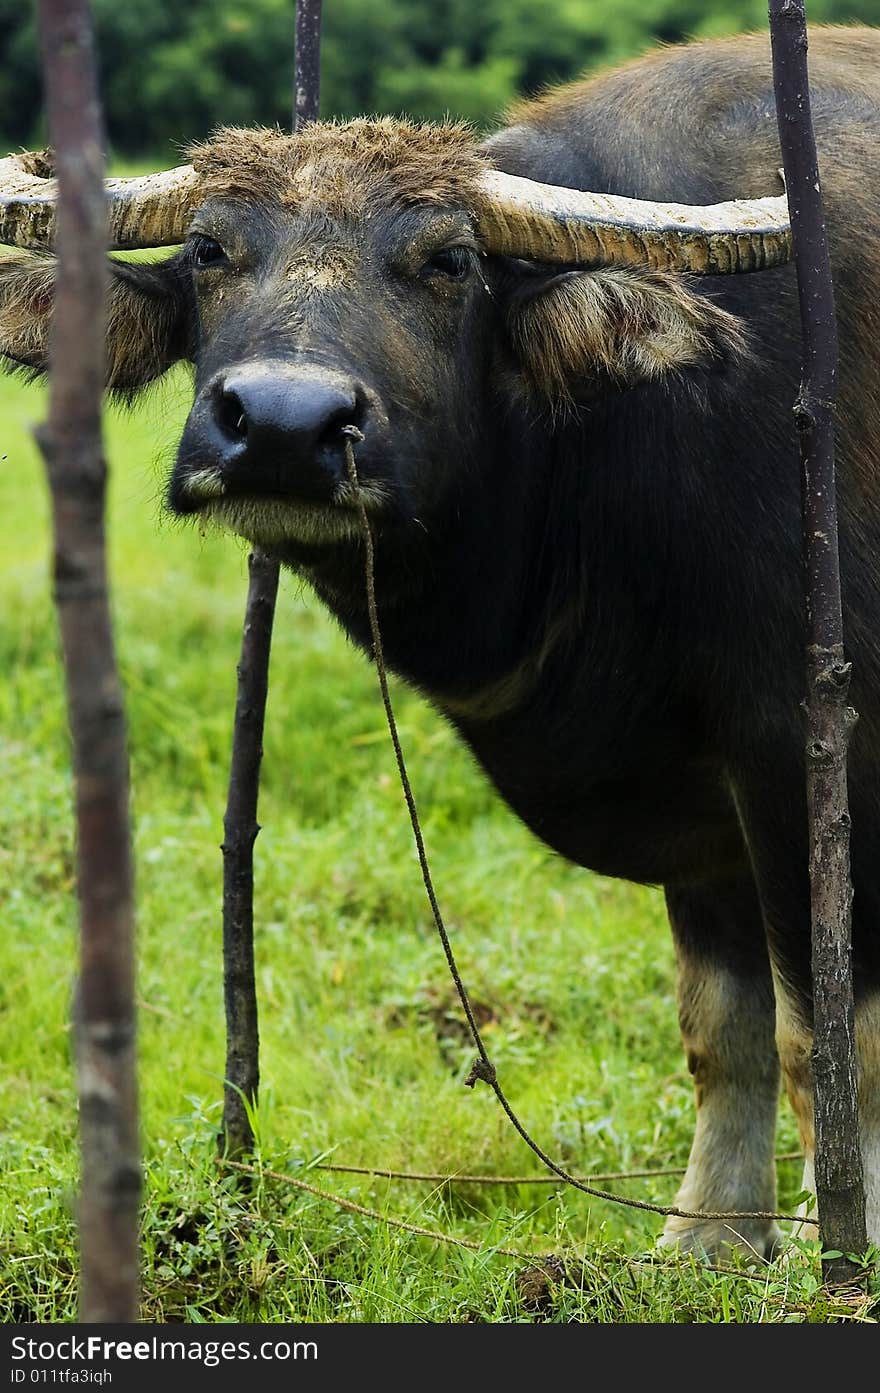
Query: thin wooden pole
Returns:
{"type": "Point", "coordinates": [307, 66]}
{"type": "Point", "coordinates": [840, 1191]}
{"type": "Point", "coordinates": [240, 825]}
{"type": "Point", "coordinates": [71, 442]}
{"type": "Point", "coordinates": [240, 830]}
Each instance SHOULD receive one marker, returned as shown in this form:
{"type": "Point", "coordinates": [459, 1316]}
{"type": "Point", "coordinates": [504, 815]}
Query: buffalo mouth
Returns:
{"type": "Point", "coordinates": [273, 517]}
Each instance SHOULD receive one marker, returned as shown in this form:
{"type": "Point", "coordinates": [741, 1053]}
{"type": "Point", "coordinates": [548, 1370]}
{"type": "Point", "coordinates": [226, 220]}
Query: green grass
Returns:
{"type": "Point", "coordinates": [363, 1050]}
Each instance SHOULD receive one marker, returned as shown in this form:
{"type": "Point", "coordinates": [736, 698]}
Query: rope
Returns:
{"type": "Point", "coordinates": [482, 1067]}
{"type": "Point", "coordinates": [374, 1213]}
{"type": "Point", "coordinates": [460, 1178]}
{"type": "Point", "coordinates": [652, 1262]}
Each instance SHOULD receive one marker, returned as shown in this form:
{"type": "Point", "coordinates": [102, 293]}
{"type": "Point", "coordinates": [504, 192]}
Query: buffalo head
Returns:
{"type": "Point", "coordinates": [381, 276]}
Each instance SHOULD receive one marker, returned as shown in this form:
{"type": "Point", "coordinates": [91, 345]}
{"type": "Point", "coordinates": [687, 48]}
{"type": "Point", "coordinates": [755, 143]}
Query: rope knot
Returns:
{"type": "Point", "coordinates": [481, 1069]}
{"type": "Point", "coordinates": [352, 437]}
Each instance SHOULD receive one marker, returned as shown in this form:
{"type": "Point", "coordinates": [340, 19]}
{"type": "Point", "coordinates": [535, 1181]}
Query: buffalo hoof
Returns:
{"type": "Point", "coordinates": [753, 1240]}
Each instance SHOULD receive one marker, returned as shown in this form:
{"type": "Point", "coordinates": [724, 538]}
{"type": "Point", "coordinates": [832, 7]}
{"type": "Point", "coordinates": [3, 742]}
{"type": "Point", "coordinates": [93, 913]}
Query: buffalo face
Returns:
{"type": "Point", "coordinates": [317, 324]}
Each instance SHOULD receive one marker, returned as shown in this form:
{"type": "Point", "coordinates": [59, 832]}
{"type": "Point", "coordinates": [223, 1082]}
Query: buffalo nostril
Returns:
{"type": "Point", "coordinates": [336, 428]}
{"type": "Point", "coordinates": [231, 415]}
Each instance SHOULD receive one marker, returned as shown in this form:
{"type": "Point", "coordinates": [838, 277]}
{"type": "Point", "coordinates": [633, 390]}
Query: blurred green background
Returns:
{"type": "Point", "coordinates": [170, 72]}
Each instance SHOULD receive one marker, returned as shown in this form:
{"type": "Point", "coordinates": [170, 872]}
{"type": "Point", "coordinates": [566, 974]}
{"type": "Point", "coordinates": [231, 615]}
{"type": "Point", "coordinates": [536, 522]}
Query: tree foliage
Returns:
{"type": "Point", "coordinates": [171, 73]}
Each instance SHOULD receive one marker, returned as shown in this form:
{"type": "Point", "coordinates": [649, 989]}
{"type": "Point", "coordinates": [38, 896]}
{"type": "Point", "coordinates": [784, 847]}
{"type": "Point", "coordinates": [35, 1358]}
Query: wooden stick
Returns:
{"type": "Point", "coordinates": [242, 1077]}
{"type": "Point", "coordinates": [307, 69]}
{"type": "Point", "coordinates": [71, 442]}
{"type": "Point", "coordinates": [840, 1189]}
{"type": "Point", "coordinates": [240, 828]}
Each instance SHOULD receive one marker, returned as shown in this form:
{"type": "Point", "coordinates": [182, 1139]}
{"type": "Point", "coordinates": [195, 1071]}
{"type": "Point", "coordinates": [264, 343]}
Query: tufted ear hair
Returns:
{"type": "Point", "coordinates": [148, 318]}
{"type": "Point", "coordinates": [575, 330]}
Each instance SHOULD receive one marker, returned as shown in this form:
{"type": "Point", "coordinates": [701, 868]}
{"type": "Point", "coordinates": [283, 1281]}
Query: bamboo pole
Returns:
{"type": "Point", "coordinates": [840, 1192]}
{"type": "Point", "coordinates": [241, 828]}
{"type": "Point", "coordinates": [71, 442]}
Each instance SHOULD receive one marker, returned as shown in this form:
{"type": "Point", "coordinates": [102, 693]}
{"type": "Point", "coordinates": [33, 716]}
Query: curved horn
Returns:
{"type": "Point", "coordinates": [541, 222]}
{"type": "Point", "coordinates": [152, 210]}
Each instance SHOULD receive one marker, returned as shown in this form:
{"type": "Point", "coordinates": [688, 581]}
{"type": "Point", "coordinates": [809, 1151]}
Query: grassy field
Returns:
{"type": "Point", "coordinates": [364, 1050]}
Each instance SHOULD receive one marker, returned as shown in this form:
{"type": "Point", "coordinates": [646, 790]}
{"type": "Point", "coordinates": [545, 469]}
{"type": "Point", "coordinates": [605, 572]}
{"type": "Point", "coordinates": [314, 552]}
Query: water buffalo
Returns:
{"type": "Point", "coordinates": [579, 462]}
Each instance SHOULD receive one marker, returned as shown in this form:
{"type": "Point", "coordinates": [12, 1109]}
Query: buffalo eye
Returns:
{"type": "Point", "coordinates": [452, 262]}
{"type": "Point", "coordinates": [206, 253]}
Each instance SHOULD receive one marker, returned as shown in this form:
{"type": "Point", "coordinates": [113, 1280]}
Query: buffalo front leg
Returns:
{"type": "Point", "coordinates": [775, 824]}
{"type": "Point", "coordinates": [795, 1043]}
{"type": "Point", "coordinates": [727, 1018]}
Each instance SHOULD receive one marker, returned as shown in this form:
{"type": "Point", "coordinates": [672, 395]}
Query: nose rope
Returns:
{"type": "Point", "coordinates": [482, 1067]}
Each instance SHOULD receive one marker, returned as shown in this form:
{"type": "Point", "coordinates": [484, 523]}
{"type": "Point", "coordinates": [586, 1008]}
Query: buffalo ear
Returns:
{"type": "Point", "coordinates": [575, 330]}
{"type": "Point", "coordinates": [150, 322]}
{"type": "Point", "coordinates": [25, 310]}
{"type": "Point", "coordinates": [148, 318]}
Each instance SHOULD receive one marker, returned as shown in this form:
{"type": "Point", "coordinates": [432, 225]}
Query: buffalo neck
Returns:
{"type": "Point", "coordinates": [620, 540]}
